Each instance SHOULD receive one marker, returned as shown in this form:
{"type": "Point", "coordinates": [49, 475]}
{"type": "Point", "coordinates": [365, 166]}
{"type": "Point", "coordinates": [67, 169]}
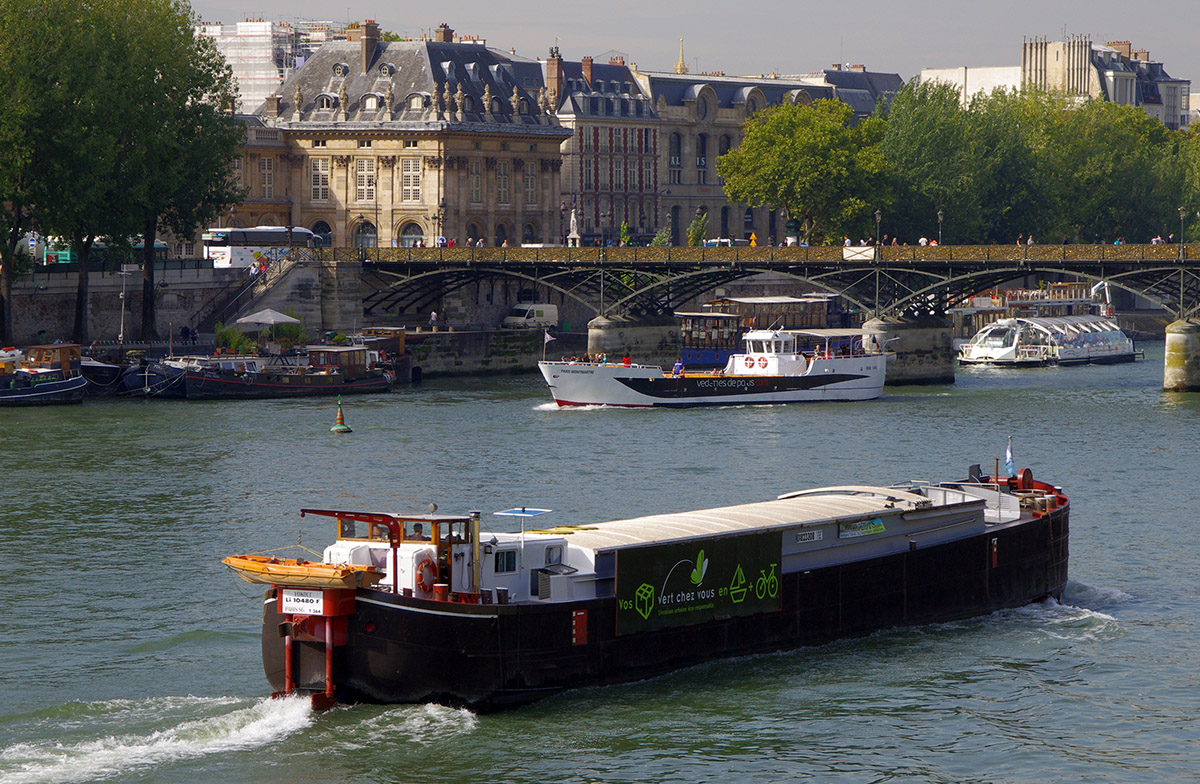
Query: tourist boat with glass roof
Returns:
{"type": "Point", "coordinates": [1061, 340]}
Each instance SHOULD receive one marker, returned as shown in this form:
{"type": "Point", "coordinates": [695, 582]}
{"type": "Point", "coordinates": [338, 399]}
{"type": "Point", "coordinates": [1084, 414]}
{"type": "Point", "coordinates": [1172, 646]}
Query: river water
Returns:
{"type": "Point", "coordinates": [130, 654]}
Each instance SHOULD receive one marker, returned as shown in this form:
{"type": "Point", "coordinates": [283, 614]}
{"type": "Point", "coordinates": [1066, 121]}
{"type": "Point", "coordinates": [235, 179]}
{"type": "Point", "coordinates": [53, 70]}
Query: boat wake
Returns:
{"type": "Point", "coordinates": [1079, 616]}
{"type": "Point", "coordinates": [147, 737]}
{"type": "Point", "coordinates": [423, 724]}
{"type": "Point", "coordinates": [557, 407]}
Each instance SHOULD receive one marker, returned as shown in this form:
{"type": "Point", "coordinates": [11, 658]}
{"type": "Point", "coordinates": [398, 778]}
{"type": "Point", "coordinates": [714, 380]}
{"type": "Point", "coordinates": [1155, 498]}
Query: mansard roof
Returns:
{"type": "Point", "coordinates": [415, 85]}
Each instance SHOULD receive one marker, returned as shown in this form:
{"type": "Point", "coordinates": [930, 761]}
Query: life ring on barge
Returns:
{"type": "Point", "coordinates": [762, 362]}
{"type": "Point", "coordinates": [749, 362]}
{"type": "Point", "coordinates": [426, 575]}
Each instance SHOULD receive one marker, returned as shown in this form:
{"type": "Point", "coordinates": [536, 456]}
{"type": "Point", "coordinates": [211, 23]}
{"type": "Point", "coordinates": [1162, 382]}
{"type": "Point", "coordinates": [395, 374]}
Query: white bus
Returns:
{"type": "Point", "coordinates": [234, 247]}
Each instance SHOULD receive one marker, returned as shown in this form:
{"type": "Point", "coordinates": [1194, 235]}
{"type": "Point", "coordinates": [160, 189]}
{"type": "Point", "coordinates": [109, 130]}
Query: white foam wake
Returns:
{"type": "Point", "coordinates": [260, 724]}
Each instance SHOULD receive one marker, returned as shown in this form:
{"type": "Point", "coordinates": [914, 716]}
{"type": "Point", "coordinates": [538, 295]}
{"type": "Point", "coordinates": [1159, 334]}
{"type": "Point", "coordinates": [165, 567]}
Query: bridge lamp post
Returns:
{"type": "Point", "coordinates": [606, 218]}
{"type": "Point", "coordinates": [1182, 214]}
{"type": "Point", "coordinates": [878, 218]}
{"type": "Point", "coordinates": [940, 216]}
{"type": "Point", "coordinates": [562, 221]}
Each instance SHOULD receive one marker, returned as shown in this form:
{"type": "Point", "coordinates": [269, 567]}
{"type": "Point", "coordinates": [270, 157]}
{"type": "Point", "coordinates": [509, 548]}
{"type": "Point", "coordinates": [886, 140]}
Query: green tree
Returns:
{"type": "Point", "coordinates": [927, 146]}
{"type": "Point", "coordinates": [697, 230]}
{"type": "Point", "coordinates": [809, 161]}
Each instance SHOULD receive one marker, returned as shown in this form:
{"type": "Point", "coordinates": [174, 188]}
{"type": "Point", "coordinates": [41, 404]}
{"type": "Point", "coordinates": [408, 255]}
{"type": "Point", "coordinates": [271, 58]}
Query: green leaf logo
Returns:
{"type": "Point", "coordinates": [700, 570]}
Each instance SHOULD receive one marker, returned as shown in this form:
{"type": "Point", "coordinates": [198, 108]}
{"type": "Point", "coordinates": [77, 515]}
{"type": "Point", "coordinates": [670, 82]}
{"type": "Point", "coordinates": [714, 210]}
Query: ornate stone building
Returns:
{"type": "Point", "coordinates": [390, 144]}
{"type": "Point", "coordinates": [644, 144]}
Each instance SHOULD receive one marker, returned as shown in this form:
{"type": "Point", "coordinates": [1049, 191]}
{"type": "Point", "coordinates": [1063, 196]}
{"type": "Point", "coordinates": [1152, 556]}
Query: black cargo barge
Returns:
{"type": "Point", "coordinates": [804, 569]}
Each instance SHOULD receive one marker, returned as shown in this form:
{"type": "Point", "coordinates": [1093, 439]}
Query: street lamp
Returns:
{"type": "Point", "coordinates": [940, 216]}
{"type": "Point", "coordinates": [878, 218]}
{"type": "Point", "coordinates": [438, 218]}
{"type": "Point", "coordinates": [605, 217]}
{"type": "Point", "coordinates": [1182, 213]}
{"type": "Point", "coordinates": [562, 221]}
{"type": "Point", "coordinates": [121, 334]}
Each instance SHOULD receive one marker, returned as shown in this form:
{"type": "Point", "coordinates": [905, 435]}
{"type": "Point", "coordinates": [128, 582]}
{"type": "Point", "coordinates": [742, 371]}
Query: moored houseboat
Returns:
{"type": "Point", "coordinates": [329, 370]}
{"type": "Point", "coordinates": [41, 375]}
{"type": "Point", "coordinates": [462, 616]}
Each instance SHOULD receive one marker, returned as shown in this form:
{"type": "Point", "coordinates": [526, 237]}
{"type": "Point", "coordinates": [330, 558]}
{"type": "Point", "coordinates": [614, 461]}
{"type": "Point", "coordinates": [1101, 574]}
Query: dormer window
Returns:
{"type": "Point", "coordinates": [341, 70]}
{"type": "Point", "coordinates": [386, 69]}
{"type": "Point", "coordinates": [497, 106]}
{"type": "Point", "coordinates": [524, 106]}
{"type": "Point", "coordinates": [468, 103]}
{"type": "Point", "coordinates": [326, 102]}
{"type": "Point", "coordinates": [416, 102]}
{"type": "Point", "coordinates": [370, 103]}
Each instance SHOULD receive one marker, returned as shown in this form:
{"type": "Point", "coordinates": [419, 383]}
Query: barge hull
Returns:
{"type": "Point", "coordinates": [396, 649]}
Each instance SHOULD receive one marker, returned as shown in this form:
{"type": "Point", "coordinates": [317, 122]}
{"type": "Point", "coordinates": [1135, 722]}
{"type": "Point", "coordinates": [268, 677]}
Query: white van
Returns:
{"type": "Point", "coordinates": [531, 314]}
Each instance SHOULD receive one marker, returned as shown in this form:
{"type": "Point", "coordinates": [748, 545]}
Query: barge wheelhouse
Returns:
{"type": "Point", "coordinates": [446, 612]}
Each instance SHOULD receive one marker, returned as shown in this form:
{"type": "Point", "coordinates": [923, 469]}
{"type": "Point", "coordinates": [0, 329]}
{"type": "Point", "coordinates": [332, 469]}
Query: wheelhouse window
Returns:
{"type": "Point", "coordinates": [506, 561]}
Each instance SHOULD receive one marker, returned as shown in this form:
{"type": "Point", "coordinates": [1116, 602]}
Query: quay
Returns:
{"type": "Point", "coordinates": [625, 295]}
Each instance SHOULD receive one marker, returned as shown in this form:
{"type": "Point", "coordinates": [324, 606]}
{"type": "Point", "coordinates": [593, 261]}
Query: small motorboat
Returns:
{"type": "Point", "coordinates": [299, 573]}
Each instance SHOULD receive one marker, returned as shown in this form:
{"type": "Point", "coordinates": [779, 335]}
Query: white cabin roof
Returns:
{"type": "Point", "coordinates": [805, 507]}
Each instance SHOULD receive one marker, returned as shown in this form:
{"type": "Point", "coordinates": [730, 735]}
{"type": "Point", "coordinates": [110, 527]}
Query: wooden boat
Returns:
{"type": "Point", "coordinates": [496, 619]}
{"type": "Point", "coordinates": [41, 375]}
{"type": "Point", "coordinates": [778, 366]}
{"type": "Point", "coordinates": [266, 570]}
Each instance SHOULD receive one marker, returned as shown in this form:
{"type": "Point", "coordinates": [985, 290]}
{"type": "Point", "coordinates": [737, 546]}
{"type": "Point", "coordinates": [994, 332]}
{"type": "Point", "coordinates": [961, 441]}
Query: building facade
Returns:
{"type": "Point", "coordinates": [1079, 68]}
{"type": "Point", "coordinates": [371, 143]}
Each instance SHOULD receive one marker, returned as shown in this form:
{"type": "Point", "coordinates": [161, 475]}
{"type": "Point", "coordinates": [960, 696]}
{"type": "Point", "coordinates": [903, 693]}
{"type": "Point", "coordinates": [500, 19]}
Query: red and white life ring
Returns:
{"type": "Point", "coordinates": [749, 362]}
{"type": "Point", "coordinates": [426, 575]}
{"type": "Point", "coordinates": [762, 362]}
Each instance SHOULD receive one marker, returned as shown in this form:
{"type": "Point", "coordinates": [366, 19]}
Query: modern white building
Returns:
{"type": "Point", "coordinates": [1079, 68]}
{"type": "Point", "coordinates": [261, 54]}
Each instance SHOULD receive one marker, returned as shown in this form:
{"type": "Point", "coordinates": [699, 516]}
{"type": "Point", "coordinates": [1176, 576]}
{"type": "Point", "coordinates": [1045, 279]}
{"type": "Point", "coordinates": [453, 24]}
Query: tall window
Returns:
{"type": "Point", "coordinates": [475, 180]}
{"type": "Point", "coordinates": [410, 179]}
{"type": "Point", "coordinates": [604, 139]}
{"type": "Point", "coordinates": [266, 168]}
{"type": "Point", "coordinates": [585, 136]}
{"type": "Point", "coordinates": [364, 179]}
{"type": "Point", "coordinates": [319, 168]}
{"type": "Point", "coordinates": [503, 193]}
{"type": "Point", "coordinates": [239, 169]}
{"type": "Point", "coordinates": [702, 151]}
{"type": "Point", "coordinates": [531, 182]}
{"type": "Point", "coordinates": [676, 151]}
{"type": "Point", "coordinates": [618, 139]}
{"type": "Point", "coordinates": [587, 174]}
{"type": "Point", "coordinates": [648, 176]}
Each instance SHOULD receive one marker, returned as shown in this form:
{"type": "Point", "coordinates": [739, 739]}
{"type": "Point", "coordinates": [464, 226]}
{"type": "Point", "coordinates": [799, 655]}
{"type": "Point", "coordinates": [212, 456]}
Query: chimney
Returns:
{"type": "Point", "coordinates": [443, 35]}
{"type": "Point", "coordinates": [272, 105]}
{"type": "Point", "coordinates": [836, 67]}
{"type": "Point", "coordinates": [370, 38]}
{"type": "Point", "coordinates": [1141, 54]}
{"type": "Point", "coordinates": [586, 63]}
{"type": "Point", "coordinates": [858, 68]}
{"type": "Point", "coordinates": [554, 75]}
{"type": "Point", "coordinates": [616, 60]}
{"type": "Point", "coordinates": [1122, 48]}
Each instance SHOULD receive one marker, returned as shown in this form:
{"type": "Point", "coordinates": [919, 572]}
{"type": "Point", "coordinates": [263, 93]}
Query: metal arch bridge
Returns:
{"type": "Point", "coordinates": [887, 280]}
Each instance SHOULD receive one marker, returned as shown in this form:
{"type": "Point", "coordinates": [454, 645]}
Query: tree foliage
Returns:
{"type": "Point", "coordinates": [1008, 165]}
{"type": "Point", "coordinates": [122, 125]}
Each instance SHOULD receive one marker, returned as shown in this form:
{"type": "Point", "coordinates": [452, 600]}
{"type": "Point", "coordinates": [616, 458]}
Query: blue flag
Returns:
{"type": "Point", "coordinates": [1009, 467]}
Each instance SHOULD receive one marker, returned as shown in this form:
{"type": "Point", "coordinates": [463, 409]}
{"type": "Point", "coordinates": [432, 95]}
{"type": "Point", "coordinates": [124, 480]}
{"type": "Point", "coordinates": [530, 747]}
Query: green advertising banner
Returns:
{"type": "Point", "coordinates": [678, 584]}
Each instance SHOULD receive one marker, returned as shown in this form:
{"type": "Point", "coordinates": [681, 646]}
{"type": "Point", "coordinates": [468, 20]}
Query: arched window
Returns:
{"type": "Point", "coordinates": [748, 219]}
{"type": "Point", "coordinates": [501, 234]}
{"type": "Point", "coordinates": [366, 236]}
{"type": "Point", "coordinates": [370, 103]}
{"type": "Point", "coordinates": [676, 150]}
{"type": "Point", "coordinates": [527, 234]}
{"type": "Point", "coordinates": [702, 151]}
{"type": "Point", "coordinates": [416, 102]}
{"type": "Point", "coordinates": [724, 221]}
{"type": "Point", "coordinates": [723, 145]}
{"type": "Point", "coordinates": [324, 234]}
{"type": "Point", "coordinates": [410, 234]}
{"type": "Point", "coordinates": [325, 102]}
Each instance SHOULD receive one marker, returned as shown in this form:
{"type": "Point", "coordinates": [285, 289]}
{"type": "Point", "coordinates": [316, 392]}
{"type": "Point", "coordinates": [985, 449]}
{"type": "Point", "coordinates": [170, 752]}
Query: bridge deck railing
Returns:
{"type": "Point", "coordinates": [751, 255]}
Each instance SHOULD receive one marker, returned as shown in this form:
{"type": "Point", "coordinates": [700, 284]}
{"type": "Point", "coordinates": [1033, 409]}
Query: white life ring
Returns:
{"type": "Point", "coordinates": [749, 362]}
{"type": "Point", "coordinates": [762, 362]}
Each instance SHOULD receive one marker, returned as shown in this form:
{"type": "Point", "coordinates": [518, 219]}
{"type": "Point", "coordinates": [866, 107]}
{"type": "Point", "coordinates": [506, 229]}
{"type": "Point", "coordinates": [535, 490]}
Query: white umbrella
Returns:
{"type": "Point", "coordinates": [267, 318]}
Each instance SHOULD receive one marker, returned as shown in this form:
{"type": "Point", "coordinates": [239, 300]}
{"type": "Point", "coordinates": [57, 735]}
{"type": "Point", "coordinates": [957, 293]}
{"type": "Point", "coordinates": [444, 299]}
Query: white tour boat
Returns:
{"type": "Point", "coordinates": [1063, 340]}
{"type": "Point", "coordinates": [777, 367]}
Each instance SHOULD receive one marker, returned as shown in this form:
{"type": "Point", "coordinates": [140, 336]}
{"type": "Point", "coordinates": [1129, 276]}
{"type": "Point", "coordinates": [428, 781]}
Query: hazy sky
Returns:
{"type": "Point", "coordinates": [901, 36]}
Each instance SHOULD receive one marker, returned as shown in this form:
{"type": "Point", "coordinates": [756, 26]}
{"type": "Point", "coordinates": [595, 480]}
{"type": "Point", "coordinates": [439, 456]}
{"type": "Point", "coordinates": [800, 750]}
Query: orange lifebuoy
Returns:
{"type": "Point", "coordinates": [426, 575]}
{"type": "Point", "coordinates": [749, 362]}
{"type": "Point", "coordinates": [762, 362]}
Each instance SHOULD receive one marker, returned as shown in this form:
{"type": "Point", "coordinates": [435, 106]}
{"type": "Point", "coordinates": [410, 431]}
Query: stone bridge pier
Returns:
{"type": "Point", "coordinates": [923, 346]}
{"type": "Point", "coordinates": [1181, 360]}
